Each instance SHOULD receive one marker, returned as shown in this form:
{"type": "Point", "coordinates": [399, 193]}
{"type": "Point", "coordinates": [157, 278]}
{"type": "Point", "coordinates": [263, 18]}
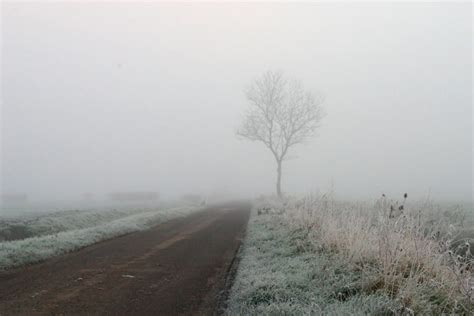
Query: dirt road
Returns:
{"type": "Point", "coordinates": [176, 268]}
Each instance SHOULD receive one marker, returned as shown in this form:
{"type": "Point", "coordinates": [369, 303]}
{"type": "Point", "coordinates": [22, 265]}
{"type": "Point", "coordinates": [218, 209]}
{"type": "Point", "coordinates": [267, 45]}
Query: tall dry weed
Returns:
{"type": "Point", "coordinates": [410, 251]}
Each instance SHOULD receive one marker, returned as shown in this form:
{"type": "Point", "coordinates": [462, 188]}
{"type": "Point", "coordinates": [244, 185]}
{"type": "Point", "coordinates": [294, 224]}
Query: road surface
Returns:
{"type": "Point", "coordinates": [176, 268]}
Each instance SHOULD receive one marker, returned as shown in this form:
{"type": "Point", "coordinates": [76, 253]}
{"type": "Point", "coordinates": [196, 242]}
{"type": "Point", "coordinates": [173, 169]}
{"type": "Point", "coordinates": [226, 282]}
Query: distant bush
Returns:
{"type": "Point", "coordinates": [192, 199]}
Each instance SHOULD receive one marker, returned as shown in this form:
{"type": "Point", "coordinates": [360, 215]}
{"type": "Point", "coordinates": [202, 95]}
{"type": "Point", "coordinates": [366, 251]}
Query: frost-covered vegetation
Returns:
{"type": "Point", "coordinates": [62, 232]}
{"type": "Point", "coordinates": [32, 225]}
{"type": "Point", "coordinates": [316, 255]}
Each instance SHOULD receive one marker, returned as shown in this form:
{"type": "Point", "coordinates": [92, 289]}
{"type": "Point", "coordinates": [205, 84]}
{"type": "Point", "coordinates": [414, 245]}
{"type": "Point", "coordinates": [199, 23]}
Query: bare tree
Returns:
{"type": "Point", "coordinates": [281, 115]}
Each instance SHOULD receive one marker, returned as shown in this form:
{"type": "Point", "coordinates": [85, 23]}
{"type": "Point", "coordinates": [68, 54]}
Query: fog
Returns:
{"type": "Point", "coordinates": [118, 97]}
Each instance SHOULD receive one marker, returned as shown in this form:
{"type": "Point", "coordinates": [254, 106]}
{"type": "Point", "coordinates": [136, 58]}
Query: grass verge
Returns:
{"type": "Point", "coordinates": [30, 250]}
{"type": "Point", "coordinates": [318, 256]}
{"type": "Point", "coordinates": [280, 273]}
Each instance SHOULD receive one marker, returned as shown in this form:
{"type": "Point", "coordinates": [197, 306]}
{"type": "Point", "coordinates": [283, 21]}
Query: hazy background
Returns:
{"type": "Point", "coordinates": [104, 97]}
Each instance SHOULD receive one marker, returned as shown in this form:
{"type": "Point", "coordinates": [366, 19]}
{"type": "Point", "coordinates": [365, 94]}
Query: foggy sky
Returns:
{"type": "Point", "coordinates": [103, 97]}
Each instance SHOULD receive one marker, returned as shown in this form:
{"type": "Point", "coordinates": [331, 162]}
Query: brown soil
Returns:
{"type": "Point", "coordinates": [176, 268]}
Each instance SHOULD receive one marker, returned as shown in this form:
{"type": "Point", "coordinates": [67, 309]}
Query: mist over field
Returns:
{"type": "Point", "coordinates": [257, 158]}
{"type": "Point", "coordinates": [100, 98]}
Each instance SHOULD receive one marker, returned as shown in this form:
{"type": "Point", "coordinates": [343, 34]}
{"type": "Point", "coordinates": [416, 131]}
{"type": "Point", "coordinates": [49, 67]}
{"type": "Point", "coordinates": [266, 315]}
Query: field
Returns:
{"type": "Point", "coordinates": [33, 238]}
{"type": "Point", "coordinates": [317, 255]}
{"type": "Point", "coordinates": [34, 225]}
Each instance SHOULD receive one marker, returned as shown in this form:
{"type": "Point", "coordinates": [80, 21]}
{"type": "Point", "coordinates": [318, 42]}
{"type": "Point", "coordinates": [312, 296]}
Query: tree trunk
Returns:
{"type": "Point", "coordinates": [278, 184]}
